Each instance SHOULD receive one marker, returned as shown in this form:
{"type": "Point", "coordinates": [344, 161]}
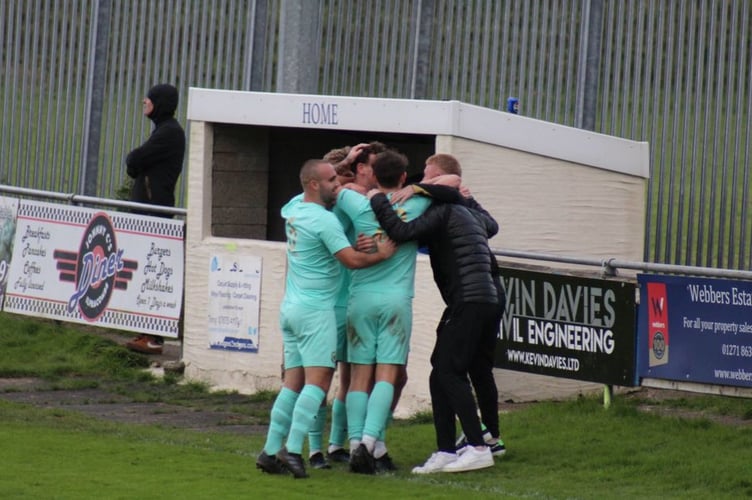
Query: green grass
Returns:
{"type": "Point", "coordinates": [52, 350]}
{"type": "Point", "coordinates": [557, 450]}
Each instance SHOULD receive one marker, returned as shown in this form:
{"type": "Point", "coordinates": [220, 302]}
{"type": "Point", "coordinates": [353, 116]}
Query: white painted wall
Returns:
{"type": "Point", "coordinates": [543, 203]}
{"type": "Point", "coordinates": [549, 205]}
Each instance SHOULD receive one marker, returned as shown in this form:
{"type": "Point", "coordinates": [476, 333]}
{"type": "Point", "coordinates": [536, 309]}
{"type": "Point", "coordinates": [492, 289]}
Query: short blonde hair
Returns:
{"type": "Point", "coordinates": [337, 155]}
{"type": "Point", "coordinates": [447, 163]}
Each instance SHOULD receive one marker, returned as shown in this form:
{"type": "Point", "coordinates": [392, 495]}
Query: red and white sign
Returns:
{"type": "Point", "coordinates": [657, 324]}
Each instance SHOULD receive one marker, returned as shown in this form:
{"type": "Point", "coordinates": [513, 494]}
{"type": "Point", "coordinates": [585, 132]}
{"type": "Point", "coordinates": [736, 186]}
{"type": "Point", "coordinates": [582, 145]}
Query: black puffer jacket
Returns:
{"type": "Point", "coordinates": [156, 165]}
{"type": "Point", "coordinates": [457, 237]}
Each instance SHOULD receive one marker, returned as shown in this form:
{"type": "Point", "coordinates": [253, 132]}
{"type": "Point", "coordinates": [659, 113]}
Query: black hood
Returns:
{"type": "Point", "coordinates": [165, 99]}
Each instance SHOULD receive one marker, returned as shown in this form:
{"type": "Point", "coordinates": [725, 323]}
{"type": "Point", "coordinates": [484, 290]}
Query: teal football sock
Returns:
{"type": "Point", "coordinates": [281, 418]}
{"type": "Point", "coordinates": [303, 416]}
{"type": "Point", "coordinates": [317, 431]}
{"type": "Point", "coordinates": [357, 405]}
{"type": "Point", "coordinates": [379, 408]}
{"type": "Point", "coordinates": [339, 424]}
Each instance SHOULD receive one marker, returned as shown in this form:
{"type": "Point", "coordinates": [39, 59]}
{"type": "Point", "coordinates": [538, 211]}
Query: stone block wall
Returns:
{"type": "Point", "coordinates": [240, 181]}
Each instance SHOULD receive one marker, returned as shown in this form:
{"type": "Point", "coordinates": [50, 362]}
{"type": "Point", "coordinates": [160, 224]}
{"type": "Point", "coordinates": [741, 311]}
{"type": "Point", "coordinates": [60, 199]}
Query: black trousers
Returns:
{"type": "Point", "coordinates": [484, 383]}
{"type": "Point", "coordinates": [464, 342]}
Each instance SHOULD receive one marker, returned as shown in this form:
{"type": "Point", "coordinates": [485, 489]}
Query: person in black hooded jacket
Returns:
{"type": "Point", "coordinates": [155, 167]}
{"type": "Point", "coordinates": [465, 272]}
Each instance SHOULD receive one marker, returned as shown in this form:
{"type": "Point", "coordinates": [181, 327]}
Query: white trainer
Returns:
{"type": "Point", "coordinates": [471, 459]}
{"type": "Point", "coordinates": [435, 463]}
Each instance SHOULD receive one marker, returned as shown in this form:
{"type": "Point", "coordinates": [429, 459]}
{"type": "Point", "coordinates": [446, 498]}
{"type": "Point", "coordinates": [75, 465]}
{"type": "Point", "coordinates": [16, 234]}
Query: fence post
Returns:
{"type": "Point", "coordinates": [95, 97]}
{"type": "Point", "coordinates": [589, 64]}
{"type": "Point", "coordinates": [608, 395]}
{"type": "Point", "coordinates": [299, 47]}
{"type": "Point", "coordinates": [256, 47]}
{"type": "Point", "coordinates": [422, 49]}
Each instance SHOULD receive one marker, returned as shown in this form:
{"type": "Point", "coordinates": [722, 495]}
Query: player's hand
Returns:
{"type": "Point", "coordinates": [373, 192]}
{"type": "Point", "coordinates": [465, 191]}
{"type": "Point", "coordinates": [365, 244]}
{"type": "Point", "coordinates": [450, 180]}
{"type": "Point", "coordinates": [402, 195]}
{"type": "Point", "coordinates": [354, 152]}
{"type": "Point", "coordinates": [385, 247]}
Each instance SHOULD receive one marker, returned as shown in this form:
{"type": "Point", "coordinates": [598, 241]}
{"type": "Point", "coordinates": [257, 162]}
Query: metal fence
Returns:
{"type": "Point", "coordinates": [671, 72]}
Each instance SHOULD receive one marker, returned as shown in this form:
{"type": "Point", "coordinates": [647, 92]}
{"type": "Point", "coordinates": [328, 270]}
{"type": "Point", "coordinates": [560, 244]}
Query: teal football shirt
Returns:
{"type": "Point", "coordinates": [314, 235]}
{"type": "Point", "coordinates": [397, 273]}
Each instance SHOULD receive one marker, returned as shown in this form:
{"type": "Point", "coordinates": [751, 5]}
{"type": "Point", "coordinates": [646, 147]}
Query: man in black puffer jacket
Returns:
{"type": "Point", "coordinates": [456, 234]}
{"type": "Point", "coordinates": [155, 167]}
